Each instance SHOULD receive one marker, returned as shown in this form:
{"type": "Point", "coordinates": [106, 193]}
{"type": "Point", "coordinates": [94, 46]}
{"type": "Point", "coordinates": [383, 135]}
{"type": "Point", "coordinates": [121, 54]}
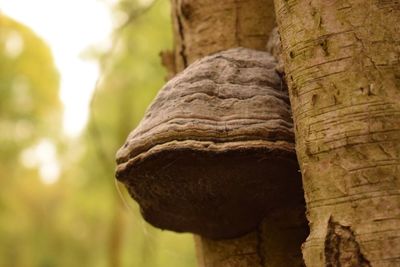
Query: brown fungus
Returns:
{"type": "Point", "coordinates": [214, 153]}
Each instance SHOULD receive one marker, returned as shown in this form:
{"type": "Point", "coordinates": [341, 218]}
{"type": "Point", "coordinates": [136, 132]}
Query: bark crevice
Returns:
{"type": "Point", "coordinates": [260, 245]}
{"type": "Point", "coordinates": [182, 49]}
{"type": "Point", "coordinates": [342, 248]}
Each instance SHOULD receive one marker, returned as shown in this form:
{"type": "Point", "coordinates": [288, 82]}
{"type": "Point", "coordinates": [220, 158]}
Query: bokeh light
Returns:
{"type": "Point", "coordinates": [67, 28]}
{"type": "Point", "coordinates": [60, 204]}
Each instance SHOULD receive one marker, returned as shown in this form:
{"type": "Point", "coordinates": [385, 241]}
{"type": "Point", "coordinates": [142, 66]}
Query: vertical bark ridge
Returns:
{"type": "Point", "coordinates": [182, 50]}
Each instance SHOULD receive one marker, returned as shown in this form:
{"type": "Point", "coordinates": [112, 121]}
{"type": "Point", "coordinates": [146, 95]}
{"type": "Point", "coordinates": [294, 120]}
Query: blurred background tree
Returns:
{"type": "Point", "coordinates": [29, 106]}
{"type": "Point", "coordinates": [84, 218]}
{"type": "Point", "coordinates": [30, 115]}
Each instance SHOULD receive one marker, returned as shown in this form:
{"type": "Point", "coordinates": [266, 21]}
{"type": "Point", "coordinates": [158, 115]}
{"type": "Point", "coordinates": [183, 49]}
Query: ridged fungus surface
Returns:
{"type": "Point", "coordinates": [215, 152]}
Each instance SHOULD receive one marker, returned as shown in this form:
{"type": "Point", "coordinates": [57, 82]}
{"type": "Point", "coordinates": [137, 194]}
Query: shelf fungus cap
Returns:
{"type": "Point", "coordinates": [214, 153]}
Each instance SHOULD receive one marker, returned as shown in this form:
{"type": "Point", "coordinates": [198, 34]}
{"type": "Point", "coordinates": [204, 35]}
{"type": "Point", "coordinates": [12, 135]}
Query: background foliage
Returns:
{"type": "Point", "coordinates": [86, 218]}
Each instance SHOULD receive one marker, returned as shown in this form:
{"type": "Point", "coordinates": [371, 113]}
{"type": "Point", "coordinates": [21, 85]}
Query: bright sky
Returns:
{"type": "Point", "coordinates": [69, 27]}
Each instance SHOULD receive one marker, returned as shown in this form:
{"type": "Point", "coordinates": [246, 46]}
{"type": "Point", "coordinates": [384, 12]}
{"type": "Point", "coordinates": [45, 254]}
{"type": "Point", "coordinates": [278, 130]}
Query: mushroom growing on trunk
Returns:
{"type": "Point", "coordinates": [214, 153]}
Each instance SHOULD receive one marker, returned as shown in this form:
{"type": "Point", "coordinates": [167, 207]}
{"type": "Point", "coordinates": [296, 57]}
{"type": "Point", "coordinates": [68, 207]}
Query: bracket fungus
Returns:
{"type": "Point", "coordinates": [214, 153]}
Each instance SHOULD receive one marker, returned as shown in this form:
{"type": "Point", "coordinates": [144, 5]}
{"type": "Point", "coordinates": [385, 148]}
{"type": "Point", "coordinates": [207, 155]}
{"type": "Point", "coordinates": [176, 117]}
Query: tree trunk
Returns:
{"type": "Point", "coordinates": [342, 63]}
{"type": "Point", "coordinates": [205, 27]}
{"type": "Point", "coordinates": [200, 29]}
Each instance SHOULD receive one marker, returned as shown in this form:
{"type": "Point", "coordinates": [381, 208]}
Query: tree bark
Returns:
{"type": "Point", "coordinates": [205, 27]}
{"type": "Point", "coordinates": [342, 63]}
{"type": "Point", "coordinates": [200, 29]}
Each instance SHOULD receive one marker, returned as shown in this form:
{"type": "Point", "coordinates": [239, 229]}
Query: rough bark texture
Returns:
{"type": "Point", "coordinates": [214, 153]}
{"type": "Point", "coordinates": [343, 71]}
{"type": "Point", "coordinates": [205, 27]}
{"type": "Point", "coordinates": [216, 27]}
{"type": "Point", "coordinates": [276, 243]}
